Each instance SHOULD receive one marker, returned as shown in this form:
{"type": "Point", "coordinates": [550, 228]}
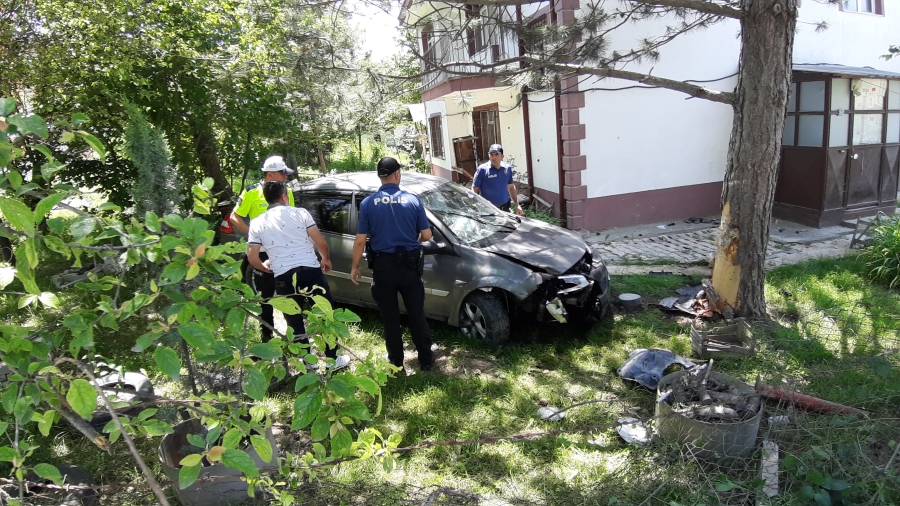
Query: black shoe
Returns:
{"type": "Point", "coordinates": [428, 366]}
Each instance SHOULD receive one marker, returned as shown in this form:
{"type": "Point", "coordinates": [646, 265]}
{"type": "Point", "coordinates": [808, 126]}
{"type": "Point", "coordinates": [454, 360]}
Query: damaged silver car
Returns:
{"type": "Point", "coordinates": [482, 267]}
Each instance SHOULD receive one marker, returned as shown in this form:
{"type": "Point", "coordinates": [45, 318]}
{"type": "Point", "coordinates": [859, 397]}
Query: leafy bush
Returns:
{"type": "Point", "coordinates": [530, 212]}
{"type": "Point", "coordinates": [882, 257]}
{"type": "Point", "coordinates": [347, 157]}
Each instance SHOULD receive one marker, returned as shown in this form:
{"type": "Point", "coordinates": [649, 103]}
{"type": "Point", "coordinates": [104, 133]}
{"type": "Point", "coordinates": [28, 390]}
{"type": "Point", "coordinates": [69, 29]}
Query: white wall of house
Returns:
{"type": "Point", "coordinates": [853, 39]}
{"type": "Point", "coordinates": [647, 139]}
{"type": "Point", "coordinates": [438, 107]}
{"type": "Point", "coordinates": [544, 147]}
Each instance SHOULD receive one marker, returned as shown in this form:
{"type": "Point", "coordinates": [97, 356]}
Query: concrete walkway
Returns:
{"type": "Point", "coordinates": [688, 248]}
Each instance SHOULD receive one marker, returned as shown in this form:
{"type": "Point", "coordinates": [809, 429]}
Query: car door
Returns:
{"type": "Point", "coordinates": [332, 215]}
{"type": "Point", "coordinates": [439, 275]}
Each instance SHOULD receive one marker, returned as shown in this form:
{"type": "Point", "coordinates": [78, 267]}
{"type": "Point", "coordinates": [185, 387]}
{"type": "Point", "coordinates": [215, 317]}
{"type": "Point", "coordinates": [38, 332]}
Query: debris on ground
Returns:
{"type": "Point", "coordinates": [646, 366]}
{"type": "Point", "coordinates": [633, 431]}
{"type": "Point", "coordinates": [735, 340]}
{"type": "Point", "coordinates": [701, 397]}
{"type": "Point", "coordinates": [769, 468]}
{"type": "Point", "coordinates": [690, 300]}
{"type": "Point", "coordinates": [806, 402]}
{"type": "Point", "coordinates": [551, 413]}
{"type": "Point", "coordinates": [702, 220]}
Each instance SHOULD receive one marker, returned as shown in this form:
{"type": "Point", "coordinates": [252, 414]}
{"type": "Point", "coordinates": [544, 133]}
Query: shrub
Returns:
{"type": "Point", "coordinates": [882, 257]}
{"type": "Point", "coordinates": [530, 212]}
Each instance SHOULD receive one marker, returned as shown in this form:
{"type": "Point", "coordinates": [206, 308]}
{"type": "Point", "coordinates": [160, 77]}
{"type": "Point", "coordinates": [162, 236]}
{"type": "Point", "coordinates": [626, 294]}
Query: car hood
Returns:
{"type": "Point", "coordinates": [541, 245]}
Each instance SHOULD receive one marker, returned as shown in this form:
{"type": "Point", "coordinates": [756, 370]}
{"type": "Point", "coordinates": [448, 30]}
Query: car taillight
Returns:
{"type": "Point", "coordinates": [226, 227]}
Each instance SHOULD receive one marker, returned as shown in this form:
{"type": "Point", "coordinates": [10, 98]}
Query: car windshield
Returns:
{"type": "Point", "coordinates": [470, 217]}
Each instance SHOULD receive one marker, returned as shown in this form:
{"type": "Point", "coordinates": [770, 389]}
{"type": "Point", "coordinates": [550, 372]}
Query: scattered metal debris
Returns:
{"type": "Point", "coordinates": [701, 397]}
{"type": "Point", "coordinates": [646, 366]}
{"type": "Point", "coordinates": [633, 431]}
{"type": "Point", "coordinates": [734, 340]}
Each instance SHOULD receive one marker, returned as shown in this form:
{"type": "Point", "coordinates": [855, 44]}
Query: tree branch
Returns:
{"type": "Point", "coordinates": [693, 90]}
{"type": "Point", "coordinates": [697, 5]}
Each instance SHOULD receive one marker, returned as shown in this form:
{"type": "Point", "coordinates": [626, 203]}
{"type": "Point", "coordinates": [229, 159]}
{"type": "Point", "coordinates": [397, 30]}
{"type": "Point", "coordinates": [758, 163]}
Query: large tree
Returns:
{"type": "Point", "coordinates": [555, 51]}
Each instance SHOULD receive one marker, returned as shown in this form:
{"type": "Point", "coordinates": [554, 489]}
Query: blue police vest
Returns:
{"type": "Point", "coordinates": [493, 182]}
{"type": "Point", "coordinates": [392, 218]}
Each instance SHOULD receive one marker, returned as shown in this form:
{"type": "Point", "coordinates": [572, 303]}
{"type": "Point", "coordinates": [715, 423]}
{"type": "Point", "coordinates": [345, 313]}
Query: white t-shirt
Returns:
{"type": "Point", "coordinates": [282, 232]}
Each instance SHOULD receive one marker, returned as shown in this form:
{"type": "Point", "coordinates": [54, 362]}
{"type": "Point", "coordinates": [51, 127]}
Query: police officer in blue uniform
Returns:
{"type": "Point", "coordinates": [494, 181]}
{"type": "Point", "coordinates": [394, 223]}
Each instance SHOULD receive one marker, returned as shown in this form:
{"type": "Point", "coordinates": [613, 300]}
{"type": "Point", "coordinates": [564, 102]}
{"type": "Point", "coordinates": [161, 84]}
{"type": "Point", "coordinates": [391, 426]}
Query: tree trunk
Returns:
{"type": "Point", "coordinates": [205, 147]}
{"type": "Point", "coordinates": [312, 114]}
{"type": "Point", "coordinates": [767, 42]}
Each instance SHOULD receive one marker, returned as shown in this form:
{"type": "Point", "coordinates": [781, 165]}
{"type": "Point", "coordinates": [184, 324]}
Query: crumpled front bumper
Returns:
{"type": "Point", "coordinates": [584, 288]}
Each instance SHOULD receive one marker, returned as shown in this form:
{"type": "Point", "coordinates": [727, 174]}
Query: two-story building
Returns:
{"type": "Point", "coordinates": [610, 152]}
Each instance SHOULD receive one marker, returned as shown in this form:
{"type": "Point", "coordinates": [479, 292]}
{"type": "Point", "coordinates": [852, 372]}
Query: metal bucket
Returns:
{"type": "Point", "coordinates": [706, 439]}
{"type": "Point", "coordinates": [217, 485]}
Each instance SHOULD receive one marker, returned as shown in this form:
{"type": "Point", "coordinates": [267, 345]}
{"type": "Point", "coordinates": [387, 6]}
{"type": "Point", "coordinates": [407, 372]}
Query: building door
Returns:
{"type": "Point", "coordinates": [863, 179]}
{"type": "Point", "coordinates": [486, 126]}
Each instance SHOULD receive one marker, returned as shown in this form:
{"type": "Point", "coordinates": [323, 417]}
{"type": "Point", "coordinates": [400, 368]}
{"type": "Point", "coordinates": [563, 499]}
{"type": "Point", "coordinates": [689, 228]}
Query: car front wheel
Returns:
{"type": "Point", "coordinates": [483, 317]}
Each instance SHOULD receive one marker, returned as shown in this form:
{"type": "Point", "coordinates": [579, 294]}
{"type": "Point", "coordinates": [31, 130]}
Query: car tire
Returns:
{"type": "Point", "coordinates": [483, 317]}
{"type": "Point", "coordinates": [140, 384]}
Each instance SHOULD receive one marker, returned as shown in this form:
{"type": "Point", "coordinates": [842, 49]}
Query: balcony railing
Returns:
{"type": "Point", "coordinates": [447, 49]}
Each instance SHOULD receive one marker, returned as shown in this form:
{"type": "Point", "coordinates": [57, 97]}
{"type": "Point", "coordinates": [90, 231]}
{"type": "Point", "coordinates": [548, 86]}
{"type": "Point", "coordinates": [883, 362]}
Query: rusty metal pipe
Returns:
{"type": "Point", "coordinates": [806, 402]}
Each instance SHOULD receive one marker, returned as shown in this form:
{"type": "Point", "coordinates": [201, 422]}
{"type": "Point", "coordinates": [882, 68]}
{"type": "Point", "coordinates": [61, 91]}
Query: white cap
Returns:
{"type": "Point", "coordinates": [276, 164]}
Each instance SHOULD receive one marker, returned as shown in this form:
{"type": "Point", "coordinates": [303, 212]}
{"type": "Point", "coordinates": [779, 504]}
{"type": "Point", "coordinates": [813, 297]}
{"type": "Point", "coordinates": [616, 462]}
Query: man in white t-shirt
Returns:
{"type": "Point", "coordinates": [290, 238]}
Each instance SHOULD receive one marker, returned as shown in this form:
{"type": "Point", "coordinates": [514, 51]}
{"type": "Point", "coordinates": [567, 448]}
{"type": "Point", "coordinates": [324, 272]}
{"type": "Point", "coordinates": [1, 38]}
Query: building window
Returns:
{"type": "Point", "coordinates": [436, 129]}
{"type": "Point", "coordinates": [474, 29]}
{"type": "Point", "coordinates": [869, 6]}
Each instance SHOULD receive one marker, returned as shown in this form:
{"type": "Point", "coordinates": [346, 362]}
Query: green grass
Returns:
{"type": "Point", "coordinates": [835, 336]}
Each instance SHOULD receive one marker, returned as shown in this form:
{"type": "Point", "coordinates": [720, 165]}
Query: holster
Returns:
{"type": "Point", "coordinates": [370, 255]}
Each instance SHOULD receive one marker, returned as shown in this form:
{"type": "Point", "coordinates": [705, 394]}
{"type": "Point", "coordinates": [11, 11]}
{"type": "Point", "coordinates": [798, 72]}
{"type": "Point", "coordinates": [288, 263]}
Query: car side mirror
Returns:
{"type": "Point", "coordinates": [430, 247]}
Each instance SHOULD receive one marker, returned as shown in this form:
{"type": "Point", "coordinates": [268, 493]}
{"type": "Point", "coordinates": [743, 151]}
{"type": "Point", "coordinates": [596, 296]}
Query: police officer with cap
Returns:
{"type": "Point", "coordinates": [251, 204]}
{"type": "Point", "coordinates": [395, 224]}
{"type": "Point", "coordinates": [494, 181]}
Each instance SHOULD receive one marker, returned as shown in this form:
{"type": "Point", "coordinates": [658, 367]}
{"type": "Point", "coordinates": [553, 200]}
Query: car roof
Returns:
{"type": "Point", "coordinates": [368, 182]}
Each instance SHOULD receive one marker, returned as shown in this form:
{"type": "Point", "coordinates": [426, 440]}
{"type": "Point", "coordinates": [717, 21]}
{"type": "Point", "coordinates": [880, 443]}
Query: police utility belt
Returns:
{"type": "Point", "coordinates": [400, 257]}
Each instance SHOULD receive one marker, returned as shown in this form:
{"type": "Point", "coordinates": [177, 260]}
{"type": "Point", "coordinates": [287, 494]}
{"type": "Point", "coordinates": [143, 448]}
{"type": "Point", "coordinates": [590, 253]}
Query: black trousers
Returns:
{"type": "Point", "coordinates": [506, 206]}
{"type": "Point", "coordinates": [262, 283]}
{"type": "Point", "coordinates": [309, 279]}
{"type": "Point", "coordinates": [391, 276]}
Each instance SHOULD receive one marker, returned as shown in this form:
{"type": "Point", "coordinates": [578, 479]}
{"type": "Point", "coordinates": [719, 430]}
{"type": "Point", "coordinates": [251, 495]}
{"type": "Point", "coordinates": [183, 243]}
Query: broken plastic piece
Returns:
{"type": "Point", "coordinates": [551, 413]}
{"type": "Point", "coordinates": [556, 309]}
{"type": "Point", "coordinates": [647, 366]}
{"type": "Point", "coordinates": [633, 431]}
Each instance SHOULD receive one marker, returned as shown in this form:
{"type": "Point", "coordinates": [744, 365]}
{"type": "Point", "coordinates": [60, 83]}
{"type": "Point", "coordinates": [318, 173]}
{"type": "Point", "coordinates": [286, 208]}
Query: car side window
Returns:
{"type": "Point", "coordinates": [330, 214]}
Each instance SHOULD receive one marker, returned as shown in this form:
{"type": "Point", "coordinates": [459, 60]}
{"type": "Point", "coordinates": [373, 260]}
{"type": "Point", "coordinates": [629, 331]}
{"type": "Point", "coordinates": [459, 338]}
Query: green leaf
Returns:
{"type": "Point", "coordinates": [174, 273]}
{"type": "Point", "coordinates": [264, 351]}
{"type": "Point", "coordinates": [15, 179]}
{"type": "Point", "coordinates": [232, 438]}
{"type": "Point", "coordinates": [95, 144]}
{"type": "Point", "coordinates": [191, 460]}
{"type": "Point", "coordinates": [367, 384]}
{"type": "Point", "coordinates": [82, 227]}
{"type": "Point", "coordinates": [49, 299]}
{"type": "Point", "coordinates": [147, 413]}
{"type": "Point", "coordinates": [187, 476]}
{"type": "Point", "coordinates": [235, 321]}
{"type": "Point", "coordinates": [262, 447]}
{"type": "Point", "coordinates": [48, 472]}
{"type": "Point", "coordinates": [725, 486]}
{"type": "Point", "coordinates": [239, 460]}
{"type": "Point", "coordinates": [306, 408]}
{"type": "Point", "coordinates": [341, 387]}
{"type": "Point", "coordinates": [168, 361]}
{"type": "Point", "coordinates": [46, 205]}
{"type": "Point", "coordinates": [44, 151]}
{"type": "Point", "coordinates": [196, 335]}
{"type": "Point", "coordinates": [56, 244]}
{"type": "Point", "coordinates": [29, 247]}
{"type": "Point", "coordinates": [346, 316]}
{"type": "Point", "coordinates": [7, 454]}
{"type": "Point", "coordinates": [286, 305]}
{"type": "Point", "coordinates": [18, 215]}
{"type": "Point", "coordinates": [79, 118]}
{"type": "Point", "coordinates": [305, 381]}
{"type": "Point", "coordinates": [7, 106]}
{"type": "Point", "coordinates": [341, 442]}
{"type": "Point", "coordinates": [151, 221]}
{"type": "Point", "coordinates": [46, 422]}
{"type": "Point", "coordinates": [51, 168]}
{"type": "Point", "coordinates": [66, 137]}
{"type": "Point", "coordinates": [82, 398]}
{"type": "Point", "coordinates": [196, 440]}
{"type": "Point", "coordinates": [201, 207]}
{"type": "Point", "coordinates": [31, 125]}
{"type": "Point", "coordinates": [255, 384]}
{"type": "Point", "coordinates": [7, 275]}
{"type": "Point", "coordinates": [319, 429]}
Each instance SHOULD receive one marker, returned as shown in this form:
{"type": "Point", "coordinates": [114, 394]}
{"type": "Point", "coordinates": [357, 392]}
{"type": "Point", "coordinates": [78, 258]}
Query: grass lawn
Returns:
{"type": "Point", "coordinates": [832, 334]}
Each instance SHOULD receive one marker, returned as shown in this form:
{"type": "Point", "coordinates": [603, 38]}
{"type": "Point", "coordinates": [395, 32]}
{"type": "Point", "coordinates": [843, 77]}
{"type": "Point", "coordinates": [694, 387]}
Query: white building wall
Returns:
{"type": "Point", "coordinates": [544, 146]}
{"type": "Point", "coordinates": [458, 115]}
{"type": "Point", "coordinates": [647, 139]}
{"type": "Point", "coordinates": [853, 39]}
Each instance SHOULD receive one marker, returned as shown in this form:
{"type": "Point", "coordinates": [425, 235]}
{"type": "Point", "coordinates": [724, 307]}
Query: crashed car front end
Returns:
{"type": "Point", "coordinates": [582, 291]}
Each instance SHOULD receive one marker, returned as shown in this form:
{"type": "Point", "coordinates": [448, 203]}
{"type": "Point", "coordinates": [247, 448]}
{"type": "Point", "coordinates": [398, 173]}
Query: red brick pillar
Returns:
{"type": "Point", "coordinates": [573, 132]}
